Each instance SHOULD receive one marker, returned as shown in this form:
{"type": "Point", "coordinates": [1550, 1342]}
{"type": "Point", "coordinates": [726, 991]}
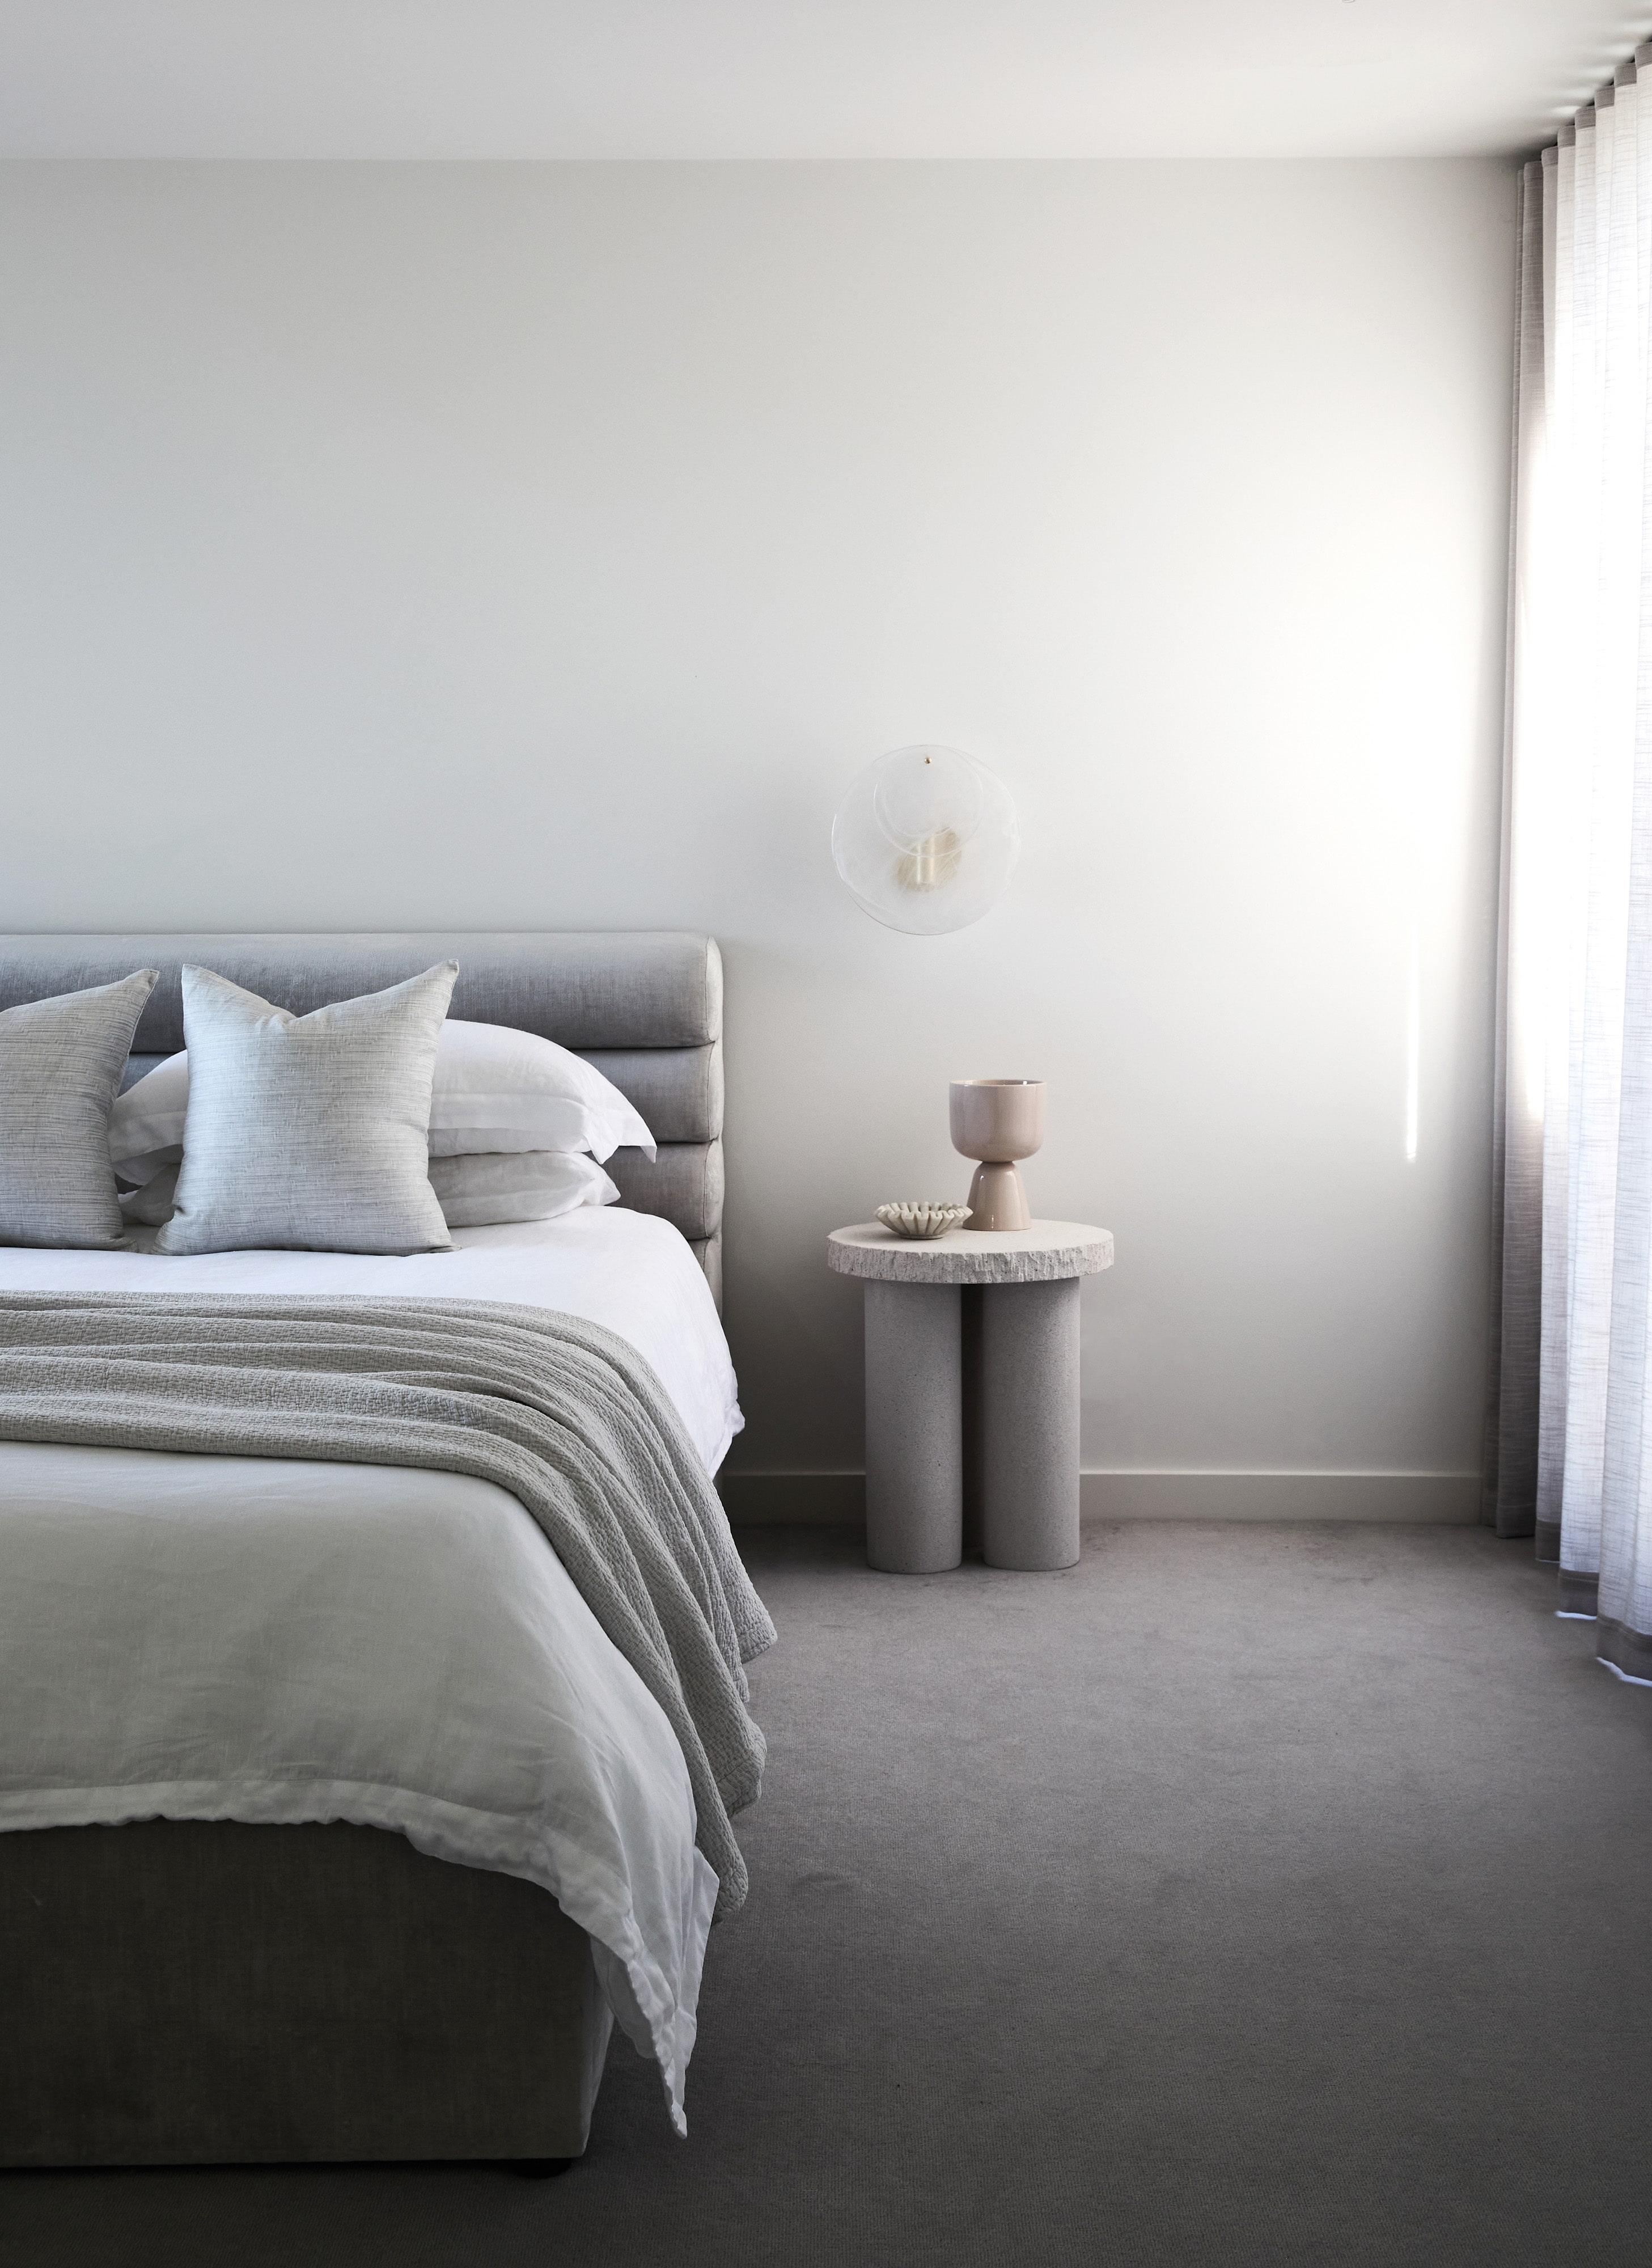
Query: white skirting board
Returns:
{"type": "Point", "coordinates": [1403, 1500]}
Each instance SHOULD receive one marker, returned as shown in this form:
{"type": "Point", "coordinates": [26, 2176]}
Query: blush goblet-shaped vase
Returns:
{"type": "Point", "coordinates": [997, 1121]}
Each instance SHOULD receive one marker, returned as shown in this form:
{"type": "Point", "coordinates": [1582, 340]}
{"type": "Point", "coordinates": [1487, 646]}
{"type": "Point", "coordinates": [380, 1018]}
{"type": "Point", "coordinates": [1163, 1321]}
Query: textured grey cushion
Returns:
{"type": "Point", "coordinates": [60, 1062]}
{"type": "Point", "coordinates": [309, 1130]}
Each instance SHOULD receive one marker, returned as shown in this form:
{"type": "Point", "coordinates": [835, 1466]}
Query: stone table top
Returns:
{"type": "Point", "coordinates": [1043, 1253]}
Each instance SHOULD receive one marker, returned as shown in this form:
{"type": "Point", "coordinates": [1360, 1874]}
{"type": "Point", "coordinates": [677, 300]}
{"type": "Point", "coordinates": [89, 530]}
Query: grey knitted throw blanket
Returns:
{"type": "Point", "coordinates": [566, 1416]}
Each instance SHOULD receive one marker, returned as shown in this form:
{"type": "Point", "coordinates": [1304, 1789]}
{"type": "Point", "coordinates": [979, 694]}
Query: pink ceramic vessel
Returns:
{"type": "Point", "coordinates": [997, 1121]}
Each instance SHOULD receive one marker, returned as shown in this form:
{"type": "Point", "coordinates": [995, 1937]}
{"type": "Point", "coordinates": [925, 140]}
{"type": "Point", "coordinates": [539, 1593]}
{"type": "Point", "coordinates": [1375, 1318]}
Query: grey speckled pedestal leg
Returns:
{"type": "Point", "coordinates": [914, 1428]}
{"type": "Point", "coordinates": [1028, 1424]}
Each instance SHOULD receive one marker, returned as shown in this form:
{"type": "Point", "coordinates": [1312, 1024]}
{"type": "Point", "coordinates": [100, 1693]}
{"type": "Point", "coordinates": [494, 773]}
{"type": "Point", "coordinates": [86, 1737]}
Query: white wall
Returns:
{"type": "Point", "coordinates": [549, 546]}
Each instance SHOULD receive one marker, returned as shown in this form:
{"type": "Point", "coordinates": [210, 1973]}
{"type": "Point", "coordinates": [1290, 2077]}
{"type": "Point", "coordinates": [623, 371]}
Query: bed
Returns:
{"type": "Point", "coordinates": [299, 1985]}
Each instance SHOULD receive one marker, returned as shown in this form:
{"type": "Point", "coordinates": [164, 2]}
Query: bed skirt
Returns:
{"type": "Point", "coordinates": [188, 1993]}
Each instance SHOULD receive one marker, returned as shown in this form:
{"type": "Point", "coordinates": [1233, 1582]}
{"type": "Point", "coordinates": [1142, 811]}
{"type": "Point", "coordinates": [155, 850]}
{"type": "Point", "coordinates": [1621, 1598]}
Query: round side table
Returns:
{"type": "Point", "coordinates": [1023, 1437]}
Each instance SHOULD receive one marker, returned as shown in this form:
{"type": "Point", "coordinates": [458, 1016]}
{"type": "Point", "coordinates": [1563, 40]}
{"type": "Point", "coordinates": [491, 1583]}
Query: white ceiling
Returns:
{"type": "Point", "coordinates": [797, 79]}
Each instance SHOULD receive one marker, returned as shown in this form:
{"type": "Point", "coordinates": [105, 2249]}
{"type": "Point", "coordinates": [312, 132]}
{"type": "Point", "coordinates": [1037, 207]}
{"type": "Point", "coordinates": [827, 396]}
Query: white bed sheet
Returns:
{"type": "Point", "coordinates": [276, 1641]}
{"type": "Point", "coordinates": [628, 1270]}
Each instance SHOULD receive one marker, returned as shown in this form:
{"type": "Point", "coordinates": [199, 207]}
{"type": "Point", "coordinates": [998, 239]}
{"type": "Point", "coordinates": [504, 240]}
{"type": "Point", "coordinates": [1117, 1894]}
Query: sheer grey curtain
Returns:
{"type": "Point", "coordinates": [1569, 1454]}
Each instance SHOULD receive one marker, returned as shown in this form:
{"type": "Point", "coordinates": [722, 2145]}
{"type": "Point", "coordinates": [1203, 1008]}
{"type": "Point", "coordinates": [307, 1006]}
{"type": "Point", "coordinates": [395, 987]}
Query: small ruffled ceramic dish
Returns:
{"type": "Point", "coordinates": [922, 1221]}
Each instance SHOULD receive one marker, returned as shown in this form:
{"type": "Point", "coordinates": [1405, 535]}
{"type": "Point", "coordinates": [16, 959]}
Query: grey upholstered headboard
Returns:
{"type": "Point", "coordinates": [644, 1005]}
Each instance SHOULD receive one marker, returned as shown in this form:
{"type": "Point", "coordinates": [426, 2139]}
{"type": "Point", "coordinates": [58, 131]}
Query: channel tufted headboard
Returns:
{"type": "Point", "coordinates": [644, 1005]}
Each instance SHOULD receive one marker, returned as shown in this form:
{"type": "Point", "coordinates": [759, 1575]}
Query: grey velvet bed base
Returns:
{"type": "Point", "coordinates": [204, 1992]}
{"type": "Point", "coordinates": [188, 1992]}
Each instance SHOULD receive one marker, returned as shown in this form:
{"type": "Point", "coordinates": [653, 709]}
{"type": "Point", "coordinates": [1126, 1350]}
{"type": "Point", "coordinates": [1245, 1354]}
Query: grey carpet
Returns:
{"type": "Point", "coordinates": [1245, 1895]}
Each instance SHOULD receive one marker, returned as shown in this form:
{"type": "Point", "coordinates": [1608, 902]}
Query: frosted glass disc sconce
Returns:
{"type": "Point", "coordinates": [926, 840]}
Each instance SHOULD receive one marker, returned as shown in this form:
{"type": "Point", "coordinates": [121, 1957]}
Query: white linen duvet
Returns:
{"type": "Point", "coordinates": [267, 1639]}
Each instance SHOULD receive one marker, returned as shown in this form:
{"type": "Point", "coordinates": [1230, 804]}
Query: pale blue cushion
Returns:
{"type": "Point", "coordinates": [309, 1132]}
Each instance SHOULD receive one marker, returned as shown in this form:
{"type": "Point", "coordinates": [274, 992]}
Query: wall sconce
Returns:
{"type": "Point", "coordinates": [926, 840]}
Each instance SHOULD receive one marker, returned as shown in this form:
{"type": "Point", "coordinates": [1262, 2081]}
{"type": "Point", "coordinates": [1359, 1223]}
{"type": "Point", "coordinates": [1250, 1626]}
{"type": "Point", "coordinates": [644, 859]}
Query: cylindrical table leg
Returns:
{"type": "Point", "coordinates": [1029, 1424]}
{"type": "Point", "coordinates": [914, 1428]}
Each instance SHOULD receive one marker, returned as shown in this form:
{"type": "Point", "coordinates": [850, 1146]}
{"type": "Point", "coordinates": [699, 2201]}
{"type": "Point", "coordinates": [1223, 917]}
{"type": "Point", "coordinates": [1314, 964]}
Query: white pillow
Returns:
{"type": "Point", "coordinates": [500, 1089]}
{"type": "Point", "coordinates": [478, 1191]}
{"type": "Point", "coordinates": [496, 1089]}
{"type": "Point", "coordinates": [488, 1187]}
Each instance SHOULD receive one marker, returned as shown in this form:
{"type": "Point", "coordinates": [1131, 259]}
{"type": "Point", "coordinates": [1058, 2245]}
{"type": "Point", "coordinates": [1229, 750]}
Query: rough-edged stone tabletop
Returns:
{"type": "Point", "coordinates": [1043, 1253]}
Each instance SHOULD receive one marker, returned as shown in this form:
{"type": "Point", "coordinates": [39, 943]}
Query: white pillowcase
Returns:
{"type": "Point", "coordinates": [483, 1191]}
{"type": "Point", "coordinates": [500, 1089]}
{"type": "Point", "coordinates": [496, 1090]}
{"type": "Point", "coordinates": [486, 1187]}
